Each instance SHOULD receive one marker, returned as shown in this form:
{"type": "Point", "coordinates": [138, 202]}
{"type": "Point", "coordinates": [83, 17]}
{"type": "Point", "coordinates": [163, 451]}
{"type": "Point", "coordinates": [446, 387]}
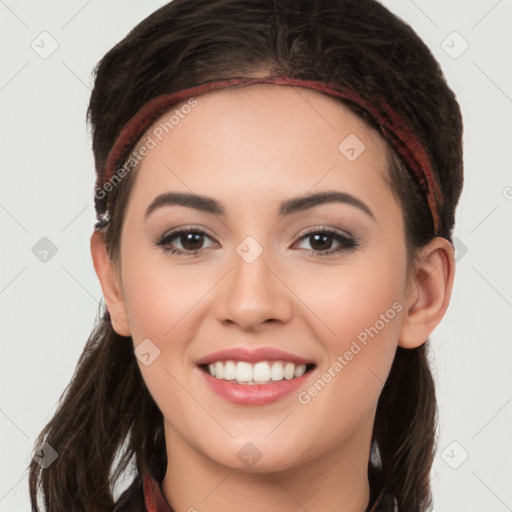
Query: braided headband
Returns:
{"type": "Point", "coordinates": [394, 128]}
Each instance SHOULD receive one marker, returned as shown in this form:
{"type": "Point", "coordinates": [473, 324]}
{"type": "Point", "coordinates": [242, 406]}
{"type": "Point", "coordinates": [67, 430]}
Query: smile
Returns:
{"type": "Point", "coordinates": [254, 375]}
{"type": "Point", "coordinates": [261, 372]}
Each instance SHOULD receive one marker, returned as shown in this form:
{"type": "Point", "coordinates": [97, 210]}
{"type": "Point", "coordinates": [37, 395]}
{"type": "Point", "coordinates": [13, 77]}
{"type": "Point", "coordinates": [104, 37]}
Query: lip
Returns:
{"type": "Point", "coordinates": [254, 394]}
{"type": "Point", "coordinates": [252, 355]}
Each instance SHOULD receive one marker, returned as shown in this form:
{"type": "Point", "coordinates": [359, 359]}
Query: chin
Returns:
{"type": "Point", "coordinates": [257, 456]}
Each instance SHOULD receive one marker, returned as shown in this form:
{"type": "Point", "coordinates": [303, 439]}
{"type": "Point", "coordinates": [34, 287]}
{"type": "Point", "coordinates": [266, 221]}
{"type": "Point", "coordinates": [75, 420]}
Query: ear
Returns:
{"type": "Point", "coordinates": [110, 281]}
{"type": "Point", "coordinates": [429, 296]}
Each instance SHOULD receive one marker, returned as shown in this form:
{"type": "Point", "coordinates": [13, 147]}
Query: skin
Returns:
{"type": "Point", "coordinates": [250, 149]}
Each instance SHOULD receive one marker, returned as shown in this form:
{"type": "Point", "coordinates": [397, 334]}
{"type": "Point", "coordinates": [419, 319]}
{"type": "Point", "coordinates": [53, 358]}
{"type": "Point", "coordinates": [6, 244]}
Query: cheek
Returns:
{"type": "Point", "coordinates": [358, 314]}
{"type": "Point", "coordinates": [160, 300]}
{"type": "Point", "coordinates": [364, 313]}
{"type": "Point", "coordinates": [347, 300]}
{"type": "Point", "coordinates": [164, 302]}
{"type": "Point", "coordinates": [159, 295]}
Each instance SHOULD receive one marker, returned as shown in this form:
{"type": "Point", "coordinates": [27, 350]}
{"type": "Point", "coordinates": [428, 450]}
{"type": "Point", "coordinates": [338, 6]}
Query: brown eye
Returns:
{"type": "Point", "coordinates": [321, 242]}
{"type": "Point", "coordinates": [190, 240]}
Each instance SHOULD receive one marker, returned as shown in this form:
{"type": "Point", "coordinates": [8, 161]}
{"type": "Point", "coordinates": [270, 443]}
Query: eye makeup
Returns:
{"type": "Point", "coordinates": [318, 235]}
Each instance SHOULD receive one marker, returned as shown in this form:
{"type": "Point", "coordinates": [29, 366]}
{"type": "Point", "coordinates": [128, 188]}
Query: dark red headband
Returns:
{"type": "Point", "coordinates": [396, 130]}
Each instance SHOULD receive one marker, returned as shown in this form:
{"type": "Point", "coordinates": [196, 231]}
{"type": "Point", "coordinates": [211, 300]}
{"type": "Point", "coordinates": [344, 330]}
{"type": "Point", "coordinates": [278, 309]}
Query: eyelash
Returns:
{"type": "Point", "coordinates": [347, 242]}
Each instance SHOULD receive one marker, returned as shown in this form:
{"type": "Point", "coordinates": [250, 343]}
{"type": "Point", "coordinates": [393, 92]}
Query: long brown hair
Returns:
{"type": "Point", "coordinates": [106, 417]}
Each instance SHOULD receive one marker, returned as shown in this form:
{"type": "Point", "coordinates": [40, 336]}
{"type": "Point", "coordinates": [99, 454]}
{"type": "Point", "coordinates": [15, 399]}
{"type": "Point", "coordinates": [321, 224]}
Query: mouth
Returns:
{"type": "Point", "coordinates": [256, 373]}
{"type": "Point", "coordinates": [254, 376]}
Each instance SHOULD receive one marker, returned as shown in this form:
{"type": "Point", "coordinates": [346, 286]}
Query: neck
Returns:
{"type": "Point", "coordinates": [334, 481]}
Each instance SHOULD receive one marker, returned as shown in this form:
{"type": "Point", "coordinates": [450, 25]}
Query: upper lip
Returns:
{"type": "Point", "coordinates": [252, 355]}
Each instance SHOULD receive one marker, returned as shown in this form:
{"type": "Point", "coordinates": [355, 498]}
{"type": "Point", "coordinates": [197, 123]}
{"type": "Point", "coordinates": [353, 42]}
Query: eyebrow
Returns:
{"type": "Point", "coordinates": [288, 207]}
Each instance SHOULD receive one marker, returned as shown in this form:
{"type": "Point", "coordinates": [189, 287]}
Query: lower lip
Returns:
{"type": "Point", "coordinates": [254, 394]}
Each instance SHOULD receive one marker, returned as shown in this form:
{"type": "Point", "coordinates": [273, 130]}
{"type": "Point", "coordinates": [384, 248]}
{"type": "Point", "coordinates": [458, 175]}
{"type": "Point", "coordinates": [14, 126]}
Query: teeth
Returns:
{"type": "Point", "coordinates": [300, 370]}
{"type": "Point", "coordinates": [229, 370]}
{"type": "Point", "coordinates": [259, 373]}
{"type": "Point", "coordinates": [277, 372]}
{"type": "Point", "coordinates": [290, 371]}
{"type": "Point", "coordinates": [243, 371]}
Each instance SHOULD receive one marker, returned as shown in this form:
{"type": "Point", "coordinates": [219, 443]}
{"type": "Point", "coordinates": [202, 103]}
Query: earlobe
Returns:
{"type": "Point", "coordinates": [110, 284]}
{"type": "Point", "coordinates": [428, 300]}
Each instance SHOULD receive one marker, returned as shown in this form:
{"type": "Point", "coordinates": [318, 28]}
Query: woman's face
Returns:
{"type": "Point", "coordinates": [323, 282]}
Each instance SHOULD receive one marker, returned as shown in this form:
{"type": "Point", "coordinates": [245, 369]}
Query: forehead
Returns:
{"type": "Point", "coordinates": [297, 110]}
{"type": "Point", "coordinates": [261, 137]}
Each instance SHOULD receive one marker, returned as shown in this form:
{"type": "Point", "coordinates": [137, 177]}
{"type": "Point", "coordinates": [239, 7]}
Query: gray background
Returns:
{"type": "Point", "coordinates": [48, 307]}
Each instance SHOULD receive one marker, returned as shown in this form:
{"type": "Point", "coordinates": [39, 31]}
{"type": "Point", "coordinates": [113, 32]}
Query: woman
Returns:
{"type": "Point", "coordinates": [276, 188]}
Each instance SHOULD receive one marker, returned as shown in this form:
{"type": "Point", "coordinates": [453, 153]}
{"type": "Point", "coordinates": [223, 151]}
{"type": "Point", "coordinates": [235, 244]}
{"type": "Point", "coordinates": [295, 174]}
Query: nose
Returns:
{"type": "Point", "coordinates": [254, 294]}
